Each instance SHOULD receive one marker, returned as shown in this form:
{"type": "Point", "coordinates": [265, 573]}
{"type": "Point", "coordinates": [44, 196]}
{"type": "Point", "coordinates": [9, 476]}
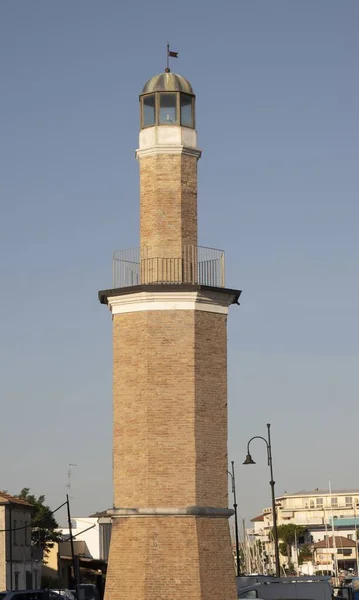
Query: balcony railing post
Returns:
{"type": "Point", "coordinates": [222, 269]}
{"type": "Point", "coordinates": [114, 270]}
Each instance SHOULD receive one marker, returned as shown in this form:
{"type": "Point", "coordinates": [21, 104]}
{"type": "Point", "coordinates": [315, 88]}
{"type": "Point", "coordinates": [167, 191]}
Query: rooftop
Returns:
{"type": "Point", "coordinates": [8, 499]}
{"type": "Point", "coordinates": [259, 518]}
{"type": "Point", "coordinates": [167, 82]}
{"type": "Point", "coordinates": [340, 542]}
{"type": "Point", "coordinates": [101, 513]}
{"type": "Point", "coordinates": [318, 492]}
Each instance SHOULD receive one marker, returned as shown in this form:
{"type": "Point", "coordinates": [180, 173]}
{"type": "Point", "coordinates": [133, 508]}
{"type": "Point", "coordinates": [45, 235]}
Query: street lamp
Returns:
{"type": "Point", "coordinates": [233, 480]}
{"type": "Point", "coordinates": [249, 461]}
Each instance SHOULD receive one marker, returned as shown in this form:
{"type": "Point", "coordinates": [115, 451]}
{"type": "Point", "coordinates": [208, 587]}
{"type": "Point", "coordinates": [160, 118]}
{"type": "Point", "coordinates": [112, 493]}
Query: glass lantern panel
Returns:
{"type": "Point", "coordinates": [148, 110]}
{"type": "Point", "coordinates": [168, 109]}
{"type": "Point", "coordinates": [186, 111]}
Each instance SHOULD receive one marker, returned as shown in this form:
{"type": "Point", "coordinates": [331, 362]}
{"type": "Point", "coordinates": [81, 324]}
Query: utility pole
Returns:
{"type": "Point", "coordinates": [75, 565]}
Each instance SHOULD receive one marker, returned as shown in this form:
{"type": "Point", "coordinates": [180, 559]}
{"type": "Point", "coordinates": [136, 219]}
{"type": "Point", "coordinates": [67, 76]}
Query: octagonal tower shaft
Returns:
{"type": "Point", "coordinates": [168, 196]}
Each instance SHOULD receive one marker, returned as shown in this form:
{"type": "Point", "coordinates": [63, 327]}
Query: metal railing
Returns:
{"type": "Point", "coordinates": [191, 264]}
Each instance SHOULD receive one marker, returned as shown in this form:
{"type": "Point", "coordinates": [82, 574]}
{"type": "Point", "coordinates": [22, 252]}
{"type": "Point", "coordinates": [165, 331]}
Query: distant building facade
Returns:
{"type": "Point", "coordinates": [336, 553]}
{"type": "Point", "coordinates": [320, 512]}
{"type": "Point", "coordinates": [20, 562]}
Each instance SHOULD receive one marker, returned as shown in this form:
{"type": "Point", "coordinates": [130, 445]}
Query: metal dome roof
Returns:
{"type": "Point", "coordinates": [167, 82]}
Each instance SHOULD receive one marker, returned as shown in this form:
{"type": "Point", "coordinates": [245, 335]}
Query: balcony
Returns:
{"type": "Point", "coordinates": [189, 264]}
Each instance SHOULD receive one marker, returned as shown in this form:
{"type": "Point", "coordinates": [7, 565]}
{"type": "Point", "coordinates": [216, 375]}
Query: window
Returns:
{"type": "Point", "coordinates": [249, 594]}
{"type": "Point", "coordinates": [28, 576]}
{"type": "Point", "coordinates": [319, 501]}
{"type": "Point", "coordinates": [311, 504]}
{"type": "Point", "coordinates": [334, 502]}
{"type": "Point", "coordinates": [350, 536]}
{"type": "Point", "coordinates": [14, 535]}
{"type": "Point", "coordinates": [27, 533]}
{"type": "Point", "coordinates": [344, 551]}
{"type": "Point", "coordinates": [168, 112]}
{"type": "Point", "coordinates": [186, 110]}
{"type": "Point", "coordinates": [16, 577]}
{"type": "Point", "coordinates": [148, 110]}
{"type": "Point", "coordinates": [348, 501]}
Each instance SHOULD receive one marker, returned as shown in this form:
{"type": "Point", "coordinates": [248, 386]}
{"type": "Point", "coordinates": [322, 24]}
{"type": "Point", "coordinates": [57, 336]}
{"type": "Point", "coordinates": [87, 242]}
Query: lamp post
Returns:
{"type": "Point", "coordinates": [233, 480]}
{"type": "Point", "coordinates": [356, 536]}
{"type": "Point", "coordinates": [249, 461]}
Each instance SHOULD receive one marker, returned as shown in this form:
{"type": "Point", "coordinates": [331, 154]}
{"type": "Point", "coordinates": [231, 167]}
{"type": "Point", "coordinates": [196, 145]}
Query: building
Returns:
{"type": "Point", "coordinates": [20, 562]}
{"type": "Point", "coordinates": [169, 310]}
{"type": "Point", "coordinates": [94, 531]}
{"type": "Point", "coordinates": [91, 540]}
{"type": "Point", "coordinates": [320, 512]}
{"type": "Point", "coordinates": [336, 553]}
{"type": "Point", "coordinates": [317, 508]}
{"type": "Point", "coordinates": [259, 547]}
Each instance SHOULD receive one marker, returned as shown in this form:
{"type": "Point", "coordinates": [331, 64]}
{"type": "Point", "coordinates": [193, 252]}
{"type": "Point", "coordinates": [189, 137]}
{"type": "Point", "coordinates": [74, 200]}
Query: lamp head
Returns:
{"type": "Point", "coordinates": [249, 460]}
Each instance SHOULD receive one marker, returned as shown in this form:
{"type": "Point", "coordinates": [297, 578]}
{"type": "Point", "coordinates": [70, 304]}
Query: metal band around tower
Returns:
{"type": "Point", "coordinates": [188, 511]}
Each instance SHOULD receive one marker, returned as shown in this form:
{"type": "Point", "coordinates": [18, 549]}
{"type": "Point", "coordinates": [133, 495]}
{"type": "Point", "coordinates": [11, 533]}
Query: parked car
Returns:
{"type": "Point", "coordinates": [87, 591]}
{"type": "Point", "coordinates": [61, 594]}
{"type": "Point", "coordinates": [25, 595]}
{"type": "Point", "coordinates": [36, 595]}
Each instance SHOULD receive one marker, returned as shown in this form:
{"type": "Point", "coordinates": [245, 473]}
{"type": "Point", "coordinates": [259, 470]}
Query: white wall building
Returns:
{"type": "Point", "coordinates": [323, 514]}
{"type": "Point", "coordinates": [95, 531]}
{"type": "Point", "coordinates": [336, 554]}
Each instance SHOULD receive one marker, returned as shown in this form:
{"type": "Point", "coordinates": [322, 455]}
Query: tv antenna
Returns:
{"type": "Point", "coordinates": [69, 476]}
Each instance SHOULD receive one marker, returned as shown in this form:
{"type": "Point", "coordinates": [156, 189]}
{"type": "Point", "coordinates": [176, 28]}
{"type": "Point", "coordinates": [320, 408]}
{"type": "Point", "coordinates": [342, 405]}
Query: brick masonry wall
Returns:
{"type": "Point", "coordinates": [154, 445]}
{"type": "Point", "coordinates": [170, 411]}
{"type": "Point", "coordinates": [170, 558]}
{"type": "Point", "coordinates": [210, 408]}
{"type": "Point", "coordinates": [168, 198]}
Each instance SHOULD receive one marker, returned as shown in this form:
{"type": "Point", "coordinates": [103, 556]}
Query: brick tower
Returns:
{"type": "Point", "coordinates": [170, 534]}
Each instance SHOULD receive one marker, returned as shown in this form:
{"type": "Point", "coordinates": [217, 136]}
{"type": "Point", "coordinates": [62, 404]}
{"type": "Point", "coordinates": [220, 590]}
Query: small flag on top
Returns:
{"type": "Point", "coordinates": [171, 54]}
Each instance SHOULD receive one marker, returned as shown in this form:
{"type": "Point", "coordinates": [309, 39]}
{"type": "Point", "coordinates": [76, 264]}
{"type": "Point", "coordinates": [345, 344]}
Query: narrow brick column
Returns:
{"type": "Point", "coordinates": [168, 195]}
{"type": "Point", "coordinates": [168, 214]}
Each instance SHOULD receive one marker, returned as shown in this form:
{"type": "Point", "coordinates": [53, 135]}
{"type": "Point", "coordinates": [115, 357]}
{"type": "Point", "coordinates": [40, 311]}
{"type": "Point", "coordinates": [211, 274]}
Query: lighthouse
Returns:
{"type": "Point", "coordinates": [169, 304]}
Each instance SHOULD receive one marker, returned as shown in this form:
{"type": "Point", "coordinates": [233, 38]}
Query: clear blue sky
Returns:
{"type": "Point", "coordinates": [277, 114]}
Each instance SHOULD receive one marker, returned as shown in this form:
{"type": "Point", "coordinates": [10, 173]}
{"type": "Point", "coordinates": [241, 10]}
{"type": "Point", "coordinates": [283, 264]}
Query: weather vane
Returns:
{"type": "Point", "coordinates": [171, 54]}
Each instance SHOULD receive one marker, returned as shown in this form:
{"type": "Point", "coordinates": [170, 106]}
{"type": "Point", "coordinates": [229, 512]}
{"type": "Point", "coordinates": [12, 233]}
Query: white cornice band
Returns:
{"type": "Point", "coordinates": [168, 149]}
{"type": "Point", "coordinates": [207, 301]}
{"type": "Point", "coordinates": [187, 511]}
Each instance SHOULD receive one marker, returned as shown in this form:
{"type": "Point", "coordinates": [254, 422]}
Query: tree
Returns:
{"type": "Point", "coordinates": [283, 548]}
{"type": "Point", "coordinates": [289, 533]}
{"type": "Point", "coordinates": [43, 524]}
{"type": "Point", "coordinates": [305, 554]}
